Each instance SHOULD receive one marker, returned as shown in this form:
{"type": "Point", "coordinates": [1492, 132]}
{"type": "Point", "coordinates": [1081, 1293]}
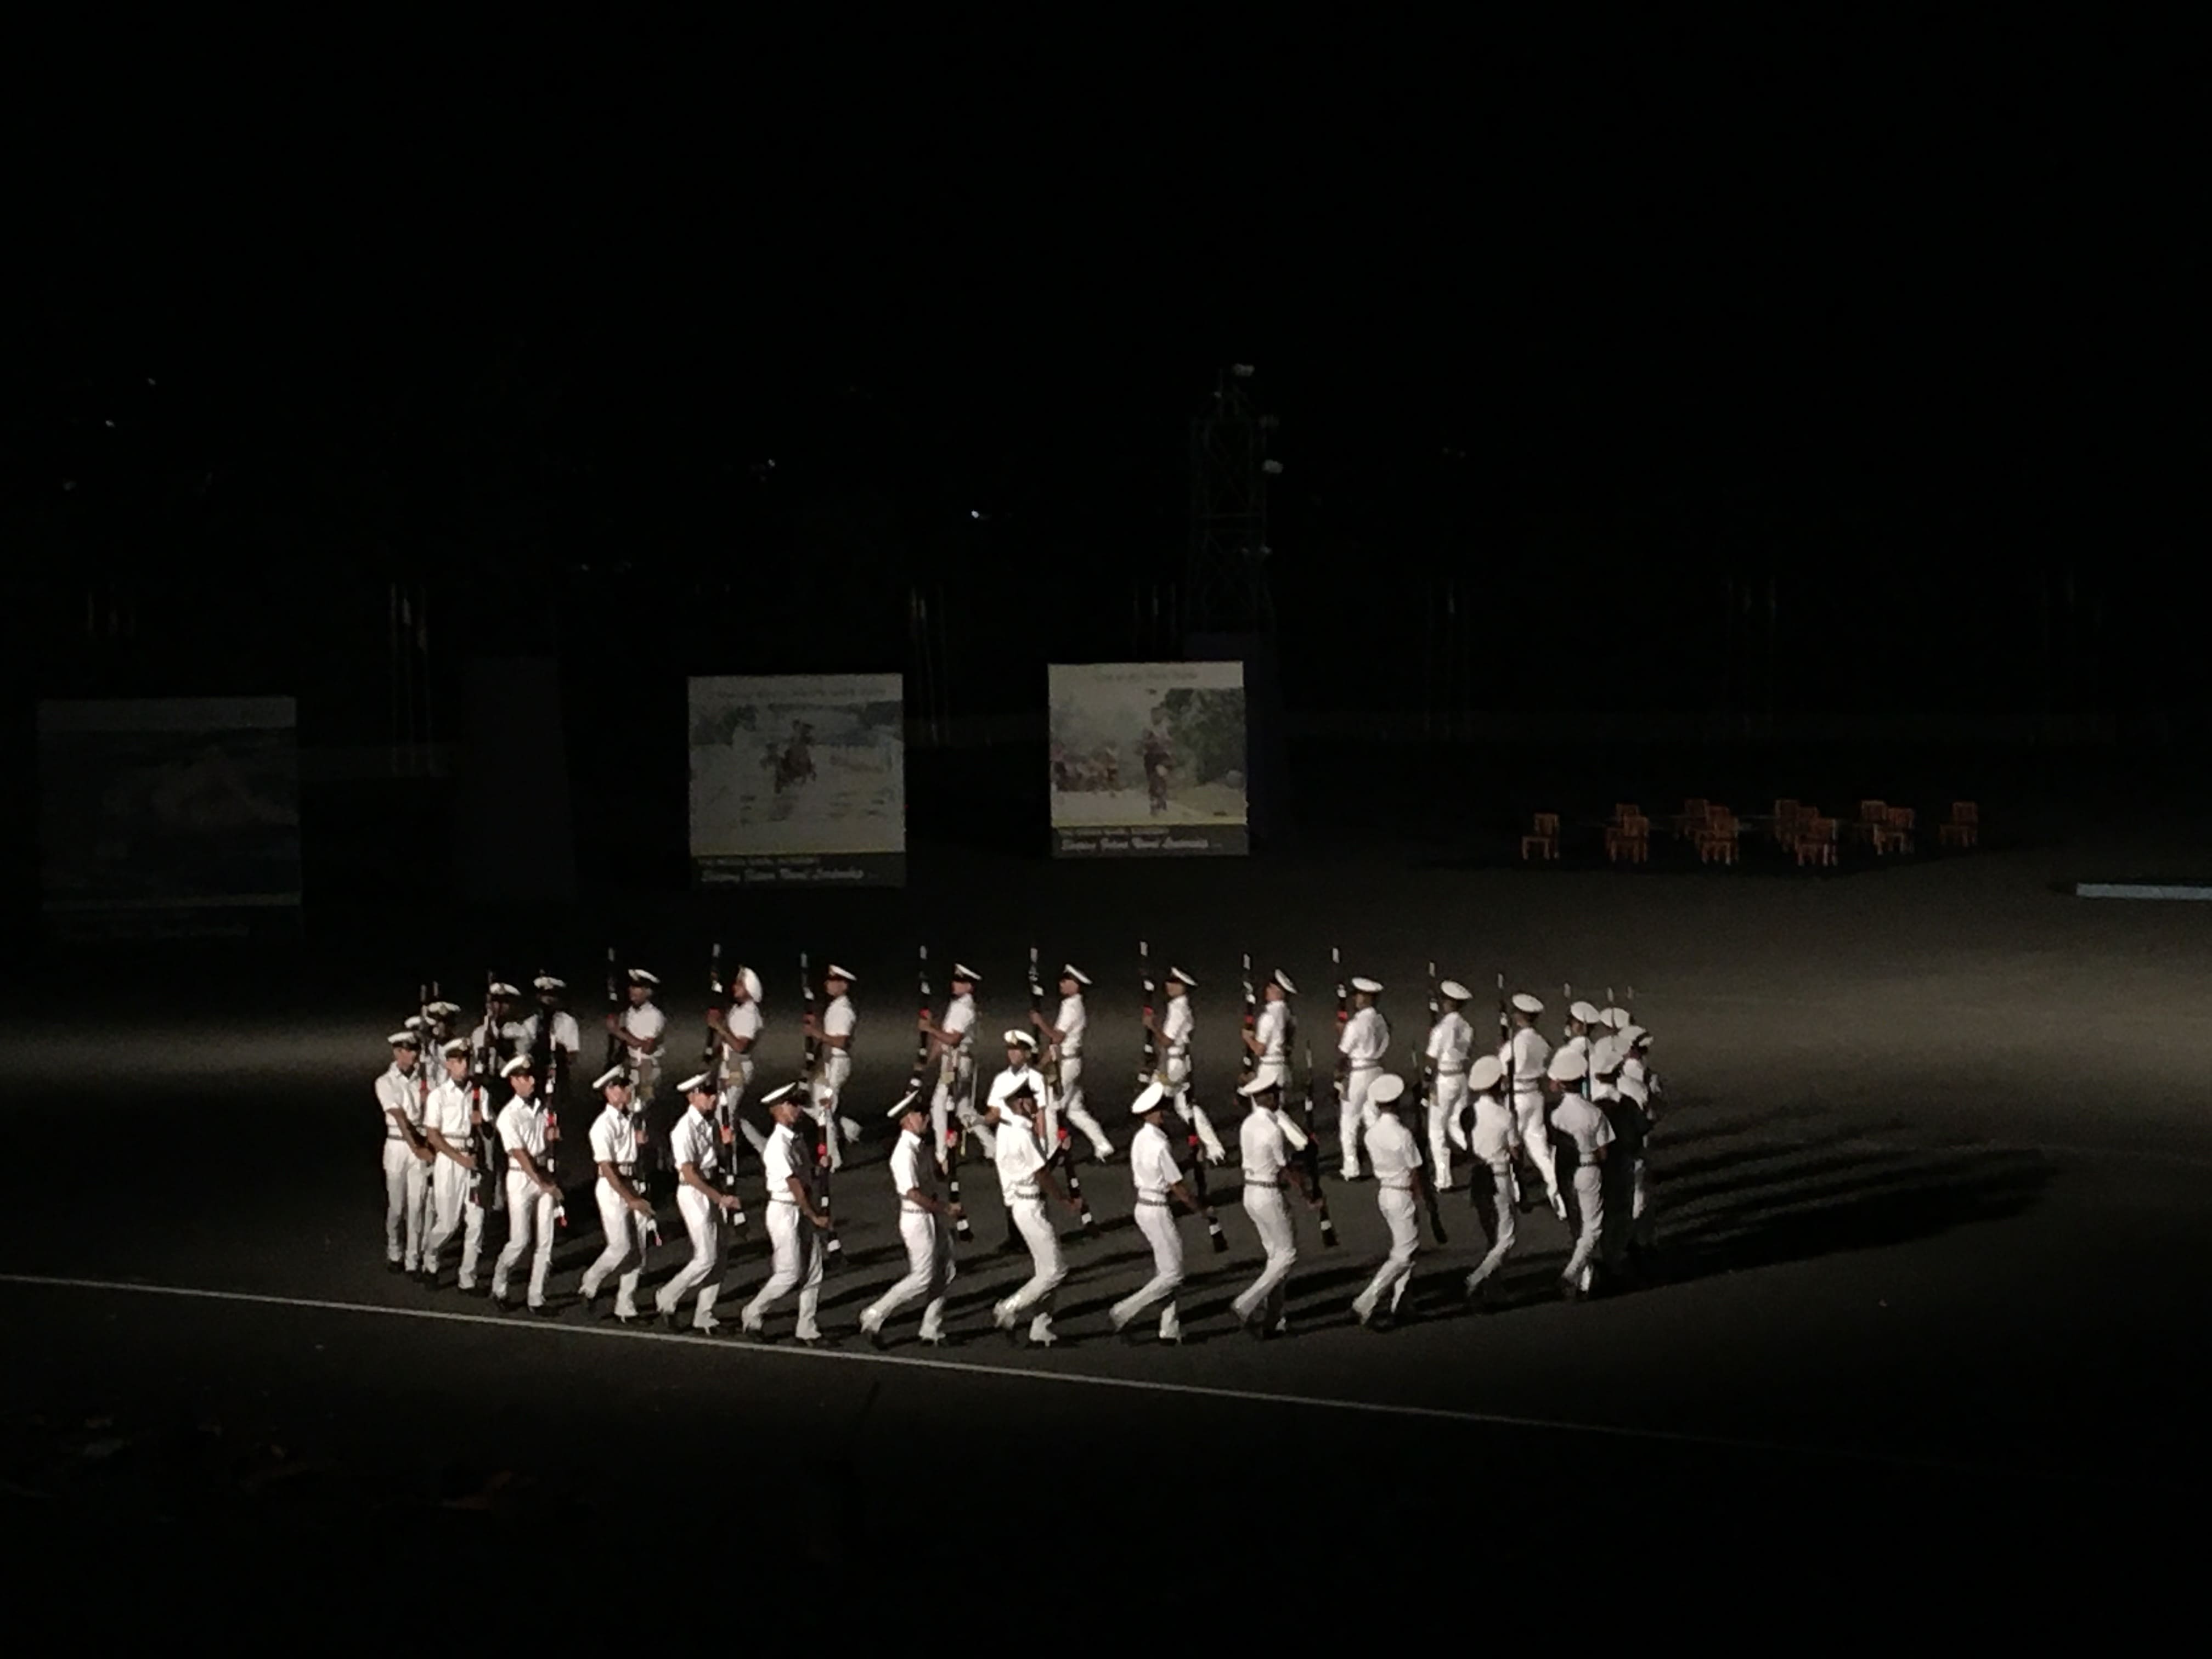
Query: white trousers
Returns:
{"type": "Point", "coordinates": [406, 1203]}
{"type": "Point", "coordinates": [1073, 1108]}
{"type": "Point", "coordinates": [450, 1185]}
{"type": "Point", "coordinates": [529, 1217]}
{"type": "Point", "coordinates": [1444, 1109]}
{"type": "Point", "coordinates": [1536, 1136]}
{"type": "Point", "coordinates": [1156, 1223]}
{"type": "Point", "coordinates": [798, 1266]}
{"type": "Point", "coordinates": [739, 1082]}
{"type": "Point", "coordinates": [624, 1254]}
{"type": "Point", "coordinates": [1397, 1269]}
{"type": "Point", "coordinates": [950, 1098]}
{"type": "Point", "coordinates": [1351, 1116]}
{"type": "Point", "coordinates": [1501, 1202]}
{"type": "Point", "coordinates": [1175, 1073]}
{"type": "Point", "coordinates": [929, 1269]}
{"type": "Point", "coordinates": [1271, 1220]}
{"type": "Point", "coordinates": [702, 1220]}
{"type": "Point", "coordinates": [1043, 1240]}
{"type": "Point", "coordinates": [1590, 1205]}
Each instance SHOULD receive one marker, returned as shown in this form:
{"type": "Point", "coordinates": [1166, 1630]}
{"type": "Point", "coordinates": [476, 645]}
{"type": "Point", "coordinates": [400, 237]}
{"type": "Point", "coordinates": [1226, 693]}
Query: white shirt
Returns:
{"type": "Point", "coordinates": [614, 1138]}
{"type": "Point", "coordinates": [1070, 1021]}
{"type": "Point", "coordinates": [1526, 1057]}
{"type": "Point", "coordinates": [646, 1021]}
{"type": "Point", "coordinates": [1366, 1038]}
{"type": "Point", "coordinates": [696, 1140]}
{"type": "Point", "coordinates": [1151, 1162]}
{"type": "Point", "coordinates": [522, 1128]}
{"type": "Point", "coordinates": [565, 1034]}
{"type": "Point", "coordinates": [1176, 1029]}
{"type": "Point", "coordinates": [1004, 1084]}
{"type": "Point", "coordinates": [1261, 1150]}
{"type": "Point", "coordinates": [397, 1092]}
{"type": "Point", "coordinates": [1019, 1157]}
{"type": "Point", "coordinates": [906, 1169]}
{"type": "Point", "coordinates": [744, 1020]}
{"type": "Point", "coordinates": [447, 1112]}
{"type": "Point", "coordinates": [510, 1038]}
{"type": "Point", "coordinates": [1450, 1042]}
{"type": "Point", "coordinates": [1272, 1029]}
{"type": "Point", "coordinates": [1492, 1139]}
{"type": "Point", "coordinates": [1393, 1151]}
{"type": "Point", "coordinates": [1582, 1123]}
{"type": "Point", "coordinates": [959, 1022]}
{"type": "Point", "coordinates": [783, 1158]}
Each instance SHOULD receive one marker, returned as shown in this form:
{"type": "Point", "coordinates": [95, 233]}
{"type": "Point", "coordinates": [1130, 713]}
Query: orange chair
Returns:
{"type": "Point", "coordinates": [1629, 838]}
{"type": "Point", "coordinates": [1782, 826]}
{"type": "Point", "coordinates": [1894, 833]}
{"type": "Point", "coordinates": [1815, 843]}
{"type": "Point", "coordinates": [1873, 815]}
{"type": "Point", "coordinates": [1623, 811]}
{"type": "Point", "coordinates": [1544, 836]}
{"type": "Point", "coordinates": [1718, 841]}
{"type": "Point", "coordinates": [1964, 828]}
{"type": "Point", "coordinates": [1690, 821]}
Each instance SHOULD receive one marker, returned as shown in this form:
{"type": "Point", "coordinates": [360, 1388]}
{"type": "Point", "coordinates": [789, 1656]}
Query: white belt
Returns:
{"type": "Point", "coordinates": [1028, 1192]}
{"type": "Point", "coordinates": [1149, 1198]}
{"type": "Point", "coordinates": [789, 1203]}
{"type": "Point", "coordinates": [912, 1209]}
{"type": "Point", "coordinates": [1452, 1070]}
{"type": "Point", "coordinates": [1393, 1187]}
{"type": "Point", "coordinates": [1251, 1181]}
{"type": "Point", "coordinates": [1366, 1066]}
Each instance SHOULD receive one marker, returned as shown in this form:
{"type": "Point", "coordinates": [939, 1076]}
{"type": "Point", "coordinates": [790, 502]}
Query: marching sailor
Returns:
{"type": "Point", "coordinates": [834, 1031]}
{"type": "Point", "coordinates": [407, 1156]}
{"type": "Point", "coordinates": [696, 1145]}
{"type": "Point", "coordinates": [1025, 1181]}
{"type": "Point", "coordinates": [639, 1028]}
{"type": "Point", "coordinates": [1525, 1057]}
{"type": "Point", "coordinates": [1639, 1118]}
{"type": "Point", "coordinates": [1152, 1170]}
{"type": "Point", "coordinates": [1064, 1032]}
{"type": "Point", "coordinates": [624, 1214]}
{"type": "Point", "coordinates": [1451, 1045]}
{"type": "Point", "coordinates": [1360, 1049]}
{"type": "Point", "coordinates": [533, 1201]}
{"type": "Point", "coordinates": [1018, 1074]}
{"type": "Point", "coordinates": [1269, 1039]}
{"type": "Point", "coordinates": [738, 1031]}
{"type": "Point", "coordinates": [549, 1015]}
{"type": "Point", "coordinates": [1583, 1125]}
{"type": "Point", "coordinates": [1174, 1032]}
{"type": "Point", "coordinates": [499, 1031]}
{"type": "Point", "coordinates": [449, 1117]}
{"type": "Point", "coordinates": [1395, 1156]}
{"type": "Point", "coordinates": [1581, 1019]}
{"type": "Point", "coordinates": [1264, 1157]}
{"type": "Point", "coordinates": [794, 1223]}
{"type": "Point", "coordinates": [1494, 1142]}
{"type": "Point", "coordinates": [952, 1049]}
{"type": "Point", "coordinates": [928, 1240]}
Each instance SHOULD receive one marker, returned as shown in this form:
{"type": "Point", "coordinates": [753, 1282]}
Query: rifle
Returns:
{"type": "Point", "coordinates": [486, 1189]}
{"type": "Point", "coordinates": [1249, 1061]}
{"type": "Point", "coordinates": [953, 1131]}
{"type": "Point", "coordinates": [833, 1248]}
{"type": "Point", "coordinates": [1311, 1157]}
{"type": "Point", "coordinates": [552, 1111]}
{"type": "Point", "coordinates": [615, 1050]}
{"type": "Point", "coordinates": [1063, 1152]}
{"type": "Point", "coordinates": [714, 1060]}
{"type": "Point", "coordinates": [1422, 1173]}
{"type": "Point", "coordinates": [1505, 1095]}
{"type": "Point", "coordinates": [1343, 1019]}
{"type": "Point", "coordinates": [1190, 1100]}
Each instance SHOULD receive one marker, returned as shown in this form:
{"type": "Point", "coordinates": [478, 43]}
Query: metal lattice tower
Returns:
{"type": "Point", "coordinates": [1225, 588]}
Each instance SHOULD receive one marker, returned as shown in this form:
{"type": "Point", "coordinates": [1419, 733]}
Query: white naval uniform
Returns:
{"type": "Point", "coordinates": [1635, 1083]}
{"type": "Point", "coordinates": [744, 1020]}
{"type": "Point", "coordinates": [449, 1112]}
{"type": "Point", "coordinates": [1265, 1157]}
{"type": "Point", "coordinates": [1396, 1155]}
{"type": "Point", "coordinates": [1152, 1170]}
{"type": "Point", "coordinates": [1581, 1121]}
{"type": "Point", "coordinates": [929, 1267]}
{"type": "Point", "coordinates": [838, 1019]}
{"type": "Point", "coordinates": [565, 1037]}
{"type": "Point", "coordinates": [614, 1141]}
{"type": "Point", "coordinates": [1525, 1059]}
{"type": "Point", "coordinates": [508, 1043]}
{"type": "Point", "coordinates": [1271, 1031]}
{"type": "Point", "coordinates": [645, 1020]}
{"type": "Point", "coordinates": [696, 1140]}
{"type": "Point", "coordinates": [1451, 1045]}
{"type": "Point", "coordinates": [1072, 1022]}
{"type": "Point", "coordinates": [406, 1177]}
{"type": "Point", "coordinates": [798, 1257]}
{"type": "Point", "coordinates": [529, 1211]}
{"type": "Point", "coordinates": [1491, 1140]}
{"type": "Point", "coordinates": [956, 1069]}
{"type": "Point", "coordinates": [1020, 1163]}
{"type": "Point", "coordinates": [1176, 1028]}
{"type": "Point", "coordinates": [1367, 1039]}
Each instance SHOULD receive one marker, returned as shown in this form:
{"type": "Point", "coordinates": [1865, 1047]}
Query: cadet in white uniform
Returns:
{"type": "Point", "coordinates": [695, 1143]}
{"type": "Point", "coordinates": [1494, 1142]}
{"type": "Point", "coordinates": [1366, 1041]}
{"type": "Point", "coordinates": [533, 1201]}
{"type": "Point", "coordinates": [1396, 1155]}
{"type": "Point", "coordinates": [1584, 1125]}
{"type": "Point", "coordinates": [501, 1032]}
{"type": "Point", "coordinates": [952, 1051]}
{"type": "Point", "coordinates": [794, 1223]}
{"type": "Point", "coordinates": [624, 1214]}
{"type": "Point", "coordinates": [566, 1039]}
{"type": "Point", "coordinates": [407, 1156]}
{"type": "Point", "coordinates": [738, 1031]}
{"type": "Point", "coordinates": [1173, 1032]}
{"type": "Point", "coordinates": [1264, 1159]}
{"type": "Point", "coordinates": [922, 1226]}
{"type": "Point", "coordinates": [1451, 1045]}
{"type": "Point", "coordinates": [1025, 1182]}
{"type": "Point", "coordinates": [449, 1117]}
{"type": "Point", "coordinates": [1065, 1033]}
{"type": "Point", "coordinates": [1159, 1182]}
{"type": "Point", "coordinates": [1269, 1039]}
{"type": "Point", "coordinates": [835, 1032]}
{"type": "Point", "coordinates": [1526, 1056]}
{"type": "Point", "coordinates": [640, 1030]}
{"type": "Point", "coordinates": [1636, 1086]}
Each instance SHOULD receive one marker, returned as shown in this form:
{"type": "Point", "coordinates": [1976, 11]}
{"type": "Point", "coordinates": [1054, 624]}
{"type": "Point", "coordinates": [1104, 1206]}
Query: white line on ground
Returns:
{"type": "Point", "coordinates": [1020, 1373]}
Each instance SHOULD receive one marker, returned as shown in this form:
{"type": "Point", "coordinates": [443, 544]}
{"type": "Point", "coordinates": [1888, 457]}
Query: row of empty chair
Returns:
{"type": "Point", "coordinates": [1715, 834]}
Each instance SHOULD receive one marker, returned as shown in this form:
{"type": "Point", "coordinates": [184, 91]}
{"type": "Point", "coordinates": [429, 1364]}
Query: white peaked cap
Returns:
{"type": "Point", "coordinates": [701, 1084]}
{"type": "Point", "coordinates": [1284, 980]}
{"type": "Point", "coordinates": [1633, 1089]}
{"type": "Point", "coordinates": [1485, 1074]}
{"type": "Point", "coordinates": [784, 1092]}
{"type": "Point", "coordinates": [404, 1040]}
{"type": "Point", "coordinates": [1585, 1011]}
{"type": "Point", "coordinates": [458, 1046]}
{"type": "Point", "coordinates": [962, 970]}
{"type": "Point", "coordinates": [1527, 1004]}
{"type": "Point", "coordinates": [1568, 1066]}
{"type": "Point", "coordinates": [442, 1007]}
{"type": "Point", "coordinates": [1259, 1086]}
{"type": "Point", "coordinates": [639, 976]}
{"type": "Point", "coordinates": [1361, 982]}
{"type": "Point", "coordinates": [501, 989]}
{"type": "Point", "coordinates": [905, 1101]}
{"type": "Point", "coordinates": [1604, 1057]}
{"type": "Point", "coordinates": [1616, 1018]}
{"type": "Point", "coordinates": [1182, 978]}
{"type": "Point", "coordinates": [549, 982]}
{"type": "Point", "coordinates": [518, 1065]}
{"type": "Point", "coordinates": [612, 1075]}
{"type": "Point", "coordinates": [1455, 991]}
{"type": "Point", "coordinates": [414, 1022]}
{"type": "Point", "coordinates": [1148, 1097]}
{"type": "Point", "coordinates": [1630, 1036]}
{"type": "Point", "coordinates": [1015, 1039]}
{"type": "Point", "coordinates": [1385, 1088]}
{"type": "Point", "coordinates": [845, 974]}
{"type": "Point", "coordinates": [751, 981]}
{"type": "Point", "coordinates": [1069, 971]}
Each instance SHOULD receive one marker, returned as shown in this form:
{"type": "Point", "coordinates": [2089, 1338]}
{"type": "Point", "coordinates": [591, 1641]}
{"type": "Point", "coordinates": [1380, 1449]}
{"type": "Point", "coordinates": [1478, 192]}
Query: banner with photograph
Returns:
{"type": "Point", "coordinates": [800, 780]}
{"type": "Point", "coordinates": [168, 817]}
{"type": "Point", "coordinates": [1148, 759]}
